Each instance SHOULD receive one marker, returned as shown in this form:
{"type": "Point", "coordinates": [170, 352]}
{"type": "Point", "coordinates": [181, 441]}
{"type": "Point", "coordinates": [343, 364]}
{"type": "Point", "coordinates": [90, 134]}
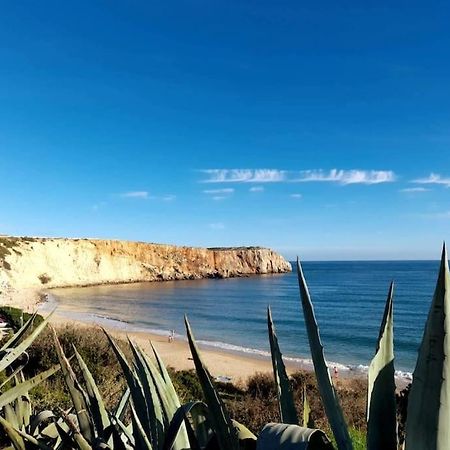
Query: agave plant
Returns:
{"type": "Point", "coordinates": [19, 418]}
{"type": "Point", "coordinates": [273, 435]}
{"type": "Point", "coordinates": [428, 406]}
{"type": "Point", "coordinates": [232, 435]}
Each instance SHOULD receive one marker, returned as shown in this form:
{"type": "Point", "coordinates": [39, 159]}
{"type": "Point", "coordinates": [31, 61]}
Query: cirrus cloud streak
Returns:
{"type": "Point", "coordinates": [433, 178]}
{"type": "Point", "coordinates": [339, 176]}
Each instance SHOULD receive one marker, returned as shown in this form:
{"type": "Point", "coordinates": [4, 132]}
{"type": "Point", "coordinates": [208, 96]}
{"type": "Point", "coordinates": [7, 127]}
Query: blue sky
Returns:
{"type": "Point", "coordinates": [317, 129]}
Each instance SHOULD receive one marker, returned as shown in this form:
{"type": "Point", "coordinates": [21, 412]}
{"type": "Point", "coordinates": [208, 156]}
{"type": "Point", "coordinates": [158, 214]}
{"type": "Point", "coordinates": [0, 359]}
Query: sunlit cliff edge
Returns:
{"type": "Point", "coordinates": [40, 263]}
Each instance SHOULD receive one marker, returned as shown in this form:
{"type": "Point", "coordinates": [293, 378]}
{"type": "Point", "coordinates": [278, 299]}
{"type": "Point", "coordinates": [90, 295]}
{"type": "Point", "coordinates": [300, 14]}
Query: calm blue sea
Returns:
{"type": "Point", "coordinates": [348, 297]}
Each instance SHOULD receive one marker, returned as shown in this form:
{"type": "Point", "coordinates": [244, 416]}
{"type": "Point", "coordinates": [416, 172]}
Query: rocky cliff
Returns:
{"type": "Point", "coordinates": [32, 263]}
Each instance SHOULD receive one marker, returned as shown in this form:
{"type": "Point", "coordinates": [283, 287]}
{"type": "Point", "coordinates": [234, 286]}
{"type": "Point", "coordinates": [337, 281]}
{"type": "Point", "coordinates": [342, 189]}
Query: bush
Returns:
{"type": "Point", "coordinates": [44, 278]}
{"type": "Point", "coordinates": [16, 317]}
{"type": "Point", "coordinates": [93, 346]}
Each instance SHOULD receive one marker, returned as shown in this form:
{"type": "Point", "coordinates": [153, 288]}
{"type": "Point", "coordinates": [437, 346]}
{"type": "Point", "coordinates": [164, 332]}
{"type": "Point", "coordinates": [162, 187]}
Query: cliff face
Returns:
{"type": "Point", "coordinates": [45, 262]}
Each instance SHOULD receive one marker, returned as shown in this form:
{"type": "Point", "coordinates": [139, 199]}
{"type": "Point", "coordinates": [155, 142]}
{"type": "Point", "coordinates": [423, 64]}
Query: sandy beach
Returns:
{"type": "Point", "coordinates": [222, 364]}
{"type": "Point", "coordinates": [176, 354]}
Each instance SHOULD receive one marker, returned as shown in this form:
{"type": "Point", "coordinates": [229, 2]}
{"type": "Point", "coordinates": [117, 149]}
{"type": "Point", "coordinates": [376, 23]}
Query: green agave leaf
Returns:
{"type": "Point", "coordinates": [66, 439]}
{"type": "Point", "coordinates": [219, 417]}
{"type": "Point", "coordinates": [154, 409]}
{"type": "Point", "coordinates": [22, 388]}
{"type": "Point", "coordinates": [286, 404]}
{"type": "Point", "coordinates": [78, 395]}
{"type": "Point", "coordinates": [122, 405]}
{"type": "Point", "coordinates": [33, 440]}
{"type": "Point", "coordinates": [15, 438]}
{"type": "Point", "coordinates": [77, 439]}
{"type": "Point", "coordinates": [170, 389]}
{"type": "Point", "coordinates": [328, 394]}
{"type": "Point", "coordinates": [118, 444]}
{"type": "Point", "coordinates": [167, 402]}
{"type": "Point", "coordinates": [381, 403]}
{"type": "Point", "coordinates": [140, 437]}
{"type": "Point", "coordinates": [284, 436]}
{"type": "Point", "coordinates": [201, 425]}
{"type": "Point", "coordinates": [11, 416]}
{"type": "Point", "coordinates": [39, 419]}
{"type": "Point", "coordinates": [247, 440]}
{"type": "Point", "coordinates": [428, 418]}
{"type": "Point", "coordinates": [177, 422]}
{"type": "Point", "coordinates": [12, 375]}
{"type": "Point", "coordinates": [14, 353]}
{"type": "Point", "coordinates": [15, 338]}
{"type": "Point", "coordinates": [127, 432]}
{"type": "Point", "coordinates": [166, 388]}
{"type": "Point", "coordinates": [134, 384]}
{"type": "Point", "coordinates": [306, 410]}
{"type": "Point", "coordinates": [97, 407]}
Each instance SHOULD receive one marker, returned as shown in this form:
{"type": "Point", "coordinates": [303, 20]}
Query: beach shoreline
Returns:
{"type": "Point", "coordinates": [229, 364]}
{"type": "Point", "coordinates": [224, 364]}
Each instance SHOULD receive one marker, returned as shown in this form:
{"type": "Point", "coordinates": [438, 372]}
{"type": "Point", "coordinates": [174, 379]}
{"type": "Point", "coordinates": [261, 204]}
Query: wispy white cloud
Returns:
{"type": "Point", "coordinates": [414, 189]}
{"type": "Point", "coordinates": [346, 176]}
{"type": "Point", "coordinates": [339, 176]}
{"type": "Point", "coordinates": [433, 178]}
{"type": "Point", "coordinates": [219, 194]}
{"type": "Point", "coordinates": [244, 175]}
{"type": "Point", "coordinates": [217, 226]}
{"type": "Point", "coordinates": [297, 196]}
{"type": "Point", "coordinates": [219, 191]}
{"type": "Point", "coordinates": [257, 189]}
{"type": "Point", "coordinates": [143, 195]}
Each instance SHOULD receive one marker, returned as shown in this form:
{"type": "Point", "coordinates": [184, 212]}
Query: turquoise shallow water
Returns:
{"type": "Point", "coordinates": [231, 313]}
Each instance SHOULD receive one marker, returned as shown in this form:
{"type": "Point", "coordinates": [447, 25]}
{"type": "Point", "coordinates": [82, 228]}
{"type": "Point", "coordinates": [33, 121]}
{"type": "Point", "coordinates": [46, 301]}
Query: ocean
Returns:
{"type": "Point", "coordinates": [230, 314]}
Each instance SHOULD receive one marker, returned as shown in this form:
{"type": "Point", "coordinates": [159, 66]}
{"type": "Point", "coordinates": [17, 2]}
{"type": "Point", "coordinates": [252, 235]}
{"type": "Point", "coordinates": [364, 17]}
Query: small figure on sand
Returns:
{"type": "Point", "coordinates": [171, 336]}
{"type": "Point", "coordinates": [336, 372]}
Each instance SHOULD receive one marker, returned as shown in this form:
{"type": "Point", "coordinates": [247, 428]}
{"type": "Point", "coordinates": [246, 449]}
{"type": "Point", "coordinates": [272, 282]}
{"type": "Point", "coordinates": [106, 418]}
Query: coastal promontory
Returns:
{"type": "Point", "coordinates": [40, 263]}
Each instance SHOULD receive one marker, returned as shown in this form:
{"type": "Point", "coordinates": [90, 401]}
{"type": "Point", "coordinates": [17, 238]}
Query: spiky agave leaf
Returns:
{"type": "Point", "coordinates": [247, 440]}
{"type": "Point", "coordinates": [219, 417]}
{"type": "Point", "coordinates": [286, 404]}
{"type": "Point", "coordinates": [77, 394]}
{"type": "Point", "coordinates": [178, 421]}
{"type": "Point", "coordinates": [15, 352]}
{"type": "Point", "coordinates": [22, 403]}
{"type": "Point", "coordinates": [428, 418]}
{"type": "Point", "coordinates": [22, 388]}
{"type": "Point", "coordinates": [381, 404]}
{"type": "Point", "coordinates": [122, 405]}
{"type": "Point", "coordinates": [15, 338]}
{"type": "Point", "coordinates": [135, 385]}
{"type": "Point", "coordinates": [15, 438]}
{"type": "Point", "coordinates": [306, 410]}
{"type": "Point", "coordinates": [97, 407]}
{"type": "Point", "coordinates": [140, 436]}
{"type": "Point", "coordinates": [170, 389]}
{"type": "Point", "coordinates": [284, 436]}
{"type": "Point", "coordinates": [154, 409]}
{"type": "Point", "coordinates": [328, 394]}
{"type": "Point", "coordinates": [32, 440]}
{"type": "Point", "coordinates": [182, 440]}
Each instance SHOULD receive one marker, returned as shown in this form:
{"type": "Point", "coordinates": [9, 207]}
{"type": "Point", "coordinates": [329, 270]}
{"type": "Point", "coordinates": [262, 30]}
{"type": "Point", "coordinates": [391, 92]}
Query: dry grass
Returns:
{"type": "Point", "coordinates": [253, 404]}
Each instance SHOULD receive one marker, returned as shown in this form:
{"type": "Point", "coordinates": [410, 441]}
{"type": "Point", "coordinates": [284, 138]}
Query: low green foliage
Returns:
{"type": "Point", "coordinates": [16, 317]}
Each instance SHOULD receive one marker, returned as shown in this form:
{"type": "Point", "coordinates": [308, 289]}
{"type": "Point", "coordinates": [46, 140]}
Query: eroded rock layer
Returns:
{"type": "Point", "coordinates": [47, 262]}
